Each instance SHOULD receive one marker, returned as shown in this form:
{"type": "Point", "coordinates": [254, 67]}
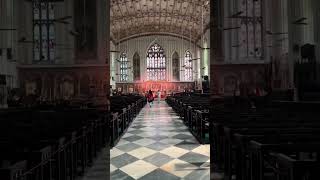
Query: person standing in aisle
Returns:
{"type": "Point", "coordinates": [150, 98]}
{"type": "Point", "coordinates": [159, 96]}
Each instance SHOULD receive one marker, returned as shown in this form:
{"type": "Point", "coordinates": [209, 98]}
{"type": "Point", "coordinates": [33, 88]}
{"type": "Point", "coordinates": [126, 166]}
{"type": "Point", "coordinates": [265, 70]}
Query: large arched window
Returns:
{"type": "Point", "coordinates": [136, 67]}
{"type": "Point", "coordinates": [188, 69]}
{"type": "Point", "coordinates": [175, 67]}
{"type": "Point", "coordinates": [156, 63]}
{"type": "Point", "coordinates": [123, 67]}
{"type": "Point", "coordinates": [43, 31]}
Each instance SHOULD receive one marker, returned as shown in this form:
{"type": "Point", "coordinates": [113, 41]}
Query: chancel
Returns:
{"type": "Point", "coordinates": [159, 89]}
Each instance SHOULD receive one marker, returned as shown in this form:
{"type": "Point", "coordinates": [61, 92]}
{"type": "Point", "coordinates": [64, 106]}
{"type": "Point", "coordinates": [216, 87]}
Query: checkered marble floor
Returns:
{"type": "Point", "coordinates": [99, 169]}
{"type": "Point", "coordinates": [159, 146]}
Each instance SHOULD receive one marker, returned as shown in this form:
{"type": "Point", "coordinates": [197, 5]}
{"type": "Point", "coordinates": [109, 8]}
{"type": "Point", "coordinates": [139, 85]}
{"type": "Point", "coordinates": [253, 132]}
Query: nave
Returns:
{"type": "Point", "coordinates": [159, 146]}
{"type": "Point", "coordinates": [240, 75]}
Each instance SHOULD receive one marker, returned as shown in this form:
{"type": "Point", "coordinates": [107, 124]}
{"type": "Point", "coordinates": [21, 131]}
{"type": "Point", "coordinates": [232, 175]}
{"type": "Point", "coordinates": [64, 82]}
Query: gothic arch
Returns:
{"type": "Point", "coordinates": [175, 66]}
{"type": "Point", "coordinates": [136, 67]}
{"type": "Point", "coordinates": [66, 85]}
{"type": "Point", "coordinates": [188, 67]}
{"type": "Point", "coordinates": [156, 63]}
{"type": "Point", "coordinates": [230, 84]}
{"type": "Point", "coordinates": [85, 85]}
{"type": "Point", "coordinates": [124, 67]}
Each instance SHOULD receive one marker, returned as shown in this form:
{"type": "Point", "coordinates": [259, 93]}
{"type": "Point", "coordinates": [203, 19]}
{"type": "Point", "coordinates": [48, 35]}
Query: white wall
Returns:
{"type": "Point", "coordinates": [113, 68]}
{"type": "Point", "coordinates": [302, 34]}
{"type": "Point", "coordinates": [204, 42]}
{"type": "Point", "coordinates": [168, 43]}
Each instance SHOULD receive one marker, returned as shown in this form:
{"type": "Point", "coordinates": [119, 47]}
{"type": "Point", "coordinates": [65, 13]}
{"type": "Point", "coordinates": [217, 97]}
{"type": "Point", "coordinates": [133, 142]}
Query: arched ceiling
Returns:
{"type": "Point", "coordinates": [134, 18]}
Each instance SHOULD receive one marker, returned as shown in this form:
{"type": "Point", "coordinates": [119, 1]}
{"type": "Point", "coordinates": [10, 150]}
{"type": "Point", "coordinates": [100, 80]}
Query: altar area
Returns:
{"type": "Point", "coordinates": [164, 86]}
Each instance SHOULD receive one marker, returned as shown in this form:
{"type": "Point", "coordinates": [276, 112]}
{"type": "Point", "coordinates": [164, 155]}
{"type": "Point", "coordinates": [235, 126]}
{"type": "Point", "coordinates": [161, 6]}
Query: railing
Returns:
{"type": "Point", "coordinates": [50, 167]}
{"type": "Point", "coordinates": [68, 157]}
{"type": "Point", "coordinates": [121, 122]}
{"type": "Point", "coordinates": [195, 115]}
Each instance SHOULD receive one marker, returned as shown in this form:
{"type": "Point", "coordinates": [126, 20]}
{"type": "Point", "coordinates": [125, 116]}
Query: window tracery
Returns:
{"type": "Point", "coordinates": [156, 63]}
{"type": "Point", "coordinates": [43, 31]}
{"type": "Point", "coordinates": [123, 67]}
{"type": "Point", "coordinates": [250, 28]}
{"type": "Point", "coordinates": [188, 69]}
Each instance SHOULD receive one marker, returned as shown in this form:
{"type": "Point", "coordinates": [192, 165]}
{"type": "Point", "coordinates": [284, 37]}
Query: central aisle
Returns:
{"type": "Point", "coordinates": [159, 146]}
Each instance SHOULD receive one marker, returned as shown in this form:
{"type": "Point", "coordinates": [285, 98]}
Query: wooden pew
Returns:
{"type": "Point", "coordinates": [13, 171]}
{"type": "Point", "coordinates": [123, 111]}
{"type": "Point", "coordinates": [291, 168]}
{"type": "Point", "coordinates": [237, 144]}
{"type": "Point", "coordinates": [193, 109]}
{"type": "Point", "coordinates": [74, 134]}
{"type": "Point", "coordinates": [231, 132]}
{"type": "Point", "coordinates": [260, 153]}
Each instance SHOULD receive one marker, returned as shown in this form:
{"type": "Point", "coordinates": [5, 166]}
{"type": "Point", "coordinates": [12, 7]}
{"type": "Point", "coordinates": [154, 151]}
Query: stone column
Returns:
{"type": "Point", "coordinates": [295, 36]}
{"type": "Point", "coordinates": [106, 4]}
{"type": "Point", "coordinates": [216, 42]}
{"type": "Point", "coordinates": [316, 4]}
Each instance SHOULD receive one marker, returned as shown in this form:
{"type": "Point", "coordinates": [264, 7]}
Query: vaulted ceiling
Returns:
{"type": "Point", "coordinates": [182, 18]}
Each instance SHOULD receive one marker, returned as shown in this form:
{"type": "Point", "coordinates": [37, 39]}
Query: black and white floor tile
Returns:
{"type": "Point", "coordinates": [159, 146]}
{"type": "Point", "coordinates": [99, 169]}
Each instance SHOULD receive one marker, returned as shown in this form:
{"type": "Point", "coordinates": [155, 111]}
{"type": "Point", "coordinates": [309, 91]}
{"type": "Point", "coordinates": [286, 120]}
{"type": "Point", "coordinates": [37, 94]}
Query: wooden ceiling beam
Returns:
{"type": "Point", "coordinates": [127, 18]}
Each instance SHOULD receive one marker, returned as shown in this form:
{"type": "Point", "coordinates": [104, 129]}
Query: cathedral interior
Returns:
{"type": "Point", "coordinates": [159, 89]}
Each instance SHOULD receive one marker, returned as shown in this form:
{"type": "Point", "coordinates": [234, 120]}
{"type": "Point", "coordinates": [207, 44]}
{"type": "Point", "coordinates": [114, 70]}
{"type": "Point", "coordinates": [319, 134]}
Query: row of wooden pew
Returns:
{"type": "Point", "coordinates": [123, 110]}
{"type": "Point", "coordinates": [50, 143]}
{"type": "Point", "coordinates": [194, 110]}
{"type": "Point", "coordinates": [59, 142]}
{"type": "Point", "coordinates": [278, 142]}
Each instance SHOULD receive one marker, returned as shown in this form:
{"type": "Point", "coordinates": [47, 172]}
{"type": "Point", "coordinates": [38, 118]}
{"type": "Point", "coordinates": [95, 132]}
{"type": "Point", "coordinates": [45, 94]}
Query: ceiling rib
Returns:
{"type": "Point", "coordinates": [132, 18]}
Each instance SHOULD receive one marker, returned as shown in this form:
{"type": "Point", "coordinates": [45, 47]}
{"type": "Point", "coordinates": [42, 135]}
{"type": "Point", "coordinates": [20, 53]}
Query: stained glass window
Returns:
{"type": "Point", "coordinates": [156, 63]}
{"type": "Point", "coordinates": [188, 69]}
{"type": "Point", "coordinates": [123, 67]}
{"type": "Point", "coordinates": [43, 30]}
{"type": "Point", "coordinates": [250, 28]}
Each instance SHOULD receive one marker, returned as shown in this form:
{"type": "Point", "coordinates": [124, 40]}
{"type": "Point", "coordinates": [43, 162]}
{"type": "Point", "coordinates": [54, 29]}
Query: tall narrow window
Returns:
{"type": "Point", "coordinates": [175, 67]}
{"type": "Point", "coordinates": [43, 31]}
{"type": "Point", "coordinates": [188, 69]}
{"type": "Point", "coordinates": [136, 67]}
{"type": "Point", "coordinates": [156, 63]}
{"type": "Point", "coordinates": [123, 67]}
{"type": "Point", "coordinates": [250, 37]}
